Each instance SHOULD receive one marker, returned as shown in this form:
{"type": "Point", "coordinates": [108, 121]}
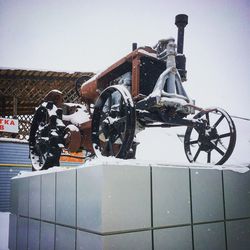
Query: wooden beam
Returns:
{"type": "Point", "coordinates": [3, 106]}
{"type": "Point", "coordinates": [14, 106]}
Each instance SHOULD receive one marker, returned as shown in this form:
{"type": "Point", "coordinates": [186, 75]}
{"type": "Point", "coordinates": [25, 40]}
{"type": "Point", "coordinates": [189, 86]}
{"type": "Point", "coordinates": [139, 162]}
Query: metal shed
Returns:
{"type": "Point", "coordinates": [13, 159]}
{"type": "Point", "coordinates": [20, 92]}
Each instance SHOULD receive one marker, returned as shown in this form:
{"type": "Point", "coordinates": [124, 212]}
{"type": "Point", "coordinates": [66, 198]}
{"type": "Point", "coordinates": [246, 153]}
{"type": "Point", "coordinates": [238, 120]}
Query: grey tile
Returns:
{"type": "Point", "coordinates": [48, 197]}
{"type": "Point", "coordinates": [113, 198]}
{"type": "Point", "coordinates": [12, 232]}
{"type": "Point", "coordinates": [171, 196]}
{"type": "Point", "coordinates": [176, 238]}
{"type": "Point", "coordinates": [23, 196]}
{"type": "Point", "coordinates": [207, 195]}
{"type": "Point", "coordinates": [34, 234]}
{"type": "Point", "coordinates": [14, 196]}
{"type": "Point", "coordinates": [22, 233]}
{"type": "Point", "coordinates": [88, 241]}
{"type": "Point", "coordinates": [238, 234]}
{"type": "Point", "coordinates": [237, 194]}
{"type": "Point", "coordinates": [126, 203]}
{"type": "Point", "coordinates": [66, 197]}
{"type": "Point", "coordinates": [209, 236]}
{"type": "Point", "coordinates": [47, 240]}
{"type": "Point", "coordinates": [136, 240]}
{"type": "Point", "coordinates": [65, 238]}
{"type": "Point", "coordinates": [89, 198]}
{"type": "Point", "coordinates": [34, 196]}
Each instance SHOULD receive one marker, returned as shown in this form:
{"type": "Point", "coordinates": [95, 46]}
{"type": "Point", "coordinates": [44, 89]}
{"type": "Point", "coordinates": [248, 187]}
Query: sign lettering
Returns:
{"type": "Point", "coordinates": [8, 125]}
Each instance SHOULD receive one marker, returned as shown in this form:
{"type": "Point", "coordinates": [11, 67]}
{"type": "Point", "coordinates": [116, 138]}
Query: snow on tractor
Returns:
{"type": "Point", "coordinates": [143, 89]}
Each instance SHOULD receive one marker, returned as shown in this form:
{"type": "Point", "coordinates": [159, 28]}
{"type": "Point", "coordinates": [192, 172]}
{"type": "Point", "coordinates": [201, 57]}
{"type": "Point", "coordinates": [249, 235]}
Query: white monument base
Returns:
{"type": "Point", "coordinates": [113, 206]}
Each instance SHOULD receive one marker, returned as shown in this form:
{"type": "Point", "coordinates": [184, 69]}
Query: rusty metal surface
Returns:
{"type": "Point", "coordinates": [90, 90]}
{"type": "Point", "coordinates": [72, 139]}
{"type": "Point", "coordinates": [86, 140]}
{"type": "Point", "coordinates": [135, 76]}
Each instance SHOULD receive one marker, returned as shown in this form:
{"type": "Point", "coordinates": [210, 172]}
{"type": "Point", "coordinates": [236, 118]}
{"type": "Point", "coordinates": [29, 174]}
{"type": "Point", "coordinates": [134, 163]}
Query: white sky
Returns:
{"type": "Point", "coordinates": [90, 35]}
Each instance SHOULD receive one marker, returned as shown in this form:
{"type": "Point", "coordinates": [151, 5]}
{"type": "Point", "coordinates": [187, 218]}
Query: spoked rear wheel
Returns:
{"type": "Point", "coordinates": [215, 142]}
{"type": "Point", "coordinates": [113, 123]}
{"type": "Point", "coordinates": [45, 139]}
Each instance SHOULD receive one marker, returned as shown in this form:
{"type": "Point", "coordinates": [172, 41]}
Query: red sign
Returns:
{"type": "Point", "coordinates": [8, 125]}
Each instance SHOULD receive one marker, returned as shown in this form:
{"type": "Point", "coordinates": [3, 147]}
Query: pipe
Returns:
{"type": "Point", "coordinates": [181, 21]}
{"type": "Point", "coordinates": [134, 46]}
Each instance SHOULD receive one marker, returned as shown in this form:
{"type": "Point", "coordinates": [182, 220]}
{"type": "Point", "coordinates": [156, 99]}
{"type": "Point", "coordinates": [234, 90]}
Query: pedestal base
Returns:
{"type": "Point", "coordinates": [112, 207]}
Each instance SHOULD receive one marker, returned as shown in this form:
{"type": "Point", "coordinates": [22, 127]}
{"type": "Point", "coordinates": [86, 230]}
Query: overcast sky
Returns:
{"type": "Point", "coordinates": [89, 35]}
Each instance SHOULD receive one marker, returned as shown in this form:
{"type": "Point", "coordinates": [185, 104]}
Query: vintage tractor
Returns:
{"type": "Point", "coordinates": [143, 89]}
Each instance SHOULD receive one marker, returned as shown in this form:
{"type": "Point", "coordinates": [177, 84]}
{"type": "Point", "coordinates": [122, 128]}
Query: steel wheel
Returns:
{"type": "Point", "coordinates": [214, 143]}
{"type": "Point", "coordinates": [45, 141]}
{"type": "Point", "coordinates": [113, 123]}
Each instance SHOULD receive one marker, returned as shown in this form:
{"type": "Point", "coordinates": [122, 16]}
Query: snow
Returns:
{"type": "Point", "coordinates": [72, 127]}
{"type": "Point", "coordinates": [50, 111]}
{"type": "Point", "coordinates": [147, 53]}
{"type": "Point", "coordinates": [80, 116]}
{"type": "Point", "coordinates": [164, 145]}
{"type": "Point", "coordinates": [107, 161]}
{"type": "Point", "coordinates": [2, 139]}
{"type": "Point", "coordinates": [59, 123]}
{"type": "Point", "coordinates": [56, 91]}
{"type": "Point", "coordinates": [70, 104]}
{"type": "Point", "coordinates": [4, 230]}
{"type": "Point", "coordinates": [54, 133]}
{"type": "Point", "coordinates": [239, 169]}
{"type": "Point", "coordinates": [241, 153]}
{"type": "Point", "coordinates": [161, 144]}
{"type": "Point", "coordinates": [39, 69]}
{"type": "Point", "coordinates": [92, 78]}
{"type": "Point", "coordinates": [125, 94]}
{"type": "Point", "coordinates": [24, 174]}
{"type": "Point", "coordinates": [125, 79]}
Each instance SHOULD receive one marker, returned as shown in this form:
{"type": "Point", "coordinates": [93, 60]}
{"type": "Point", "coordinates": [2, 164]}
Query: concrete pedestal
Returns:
{"type": "Point", "coordinates": [113, 207]}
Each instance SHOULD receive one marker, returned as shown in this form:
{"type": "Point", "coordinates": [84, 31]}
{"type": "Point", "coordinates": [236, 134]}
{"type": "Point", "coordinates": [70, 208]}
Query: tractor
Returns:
{"type": "Point", "coordinates": [143, 89]}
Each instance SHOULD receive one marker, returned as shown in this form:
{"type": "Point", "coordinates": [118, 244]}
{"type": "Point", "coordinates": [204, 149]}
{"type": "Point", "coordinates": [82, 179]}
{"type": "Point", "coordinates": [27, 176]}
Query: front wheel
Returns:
{"type": "Point", "coordinates": [215, 141]}
{"type": "Point", "coordinates": [113, 123]}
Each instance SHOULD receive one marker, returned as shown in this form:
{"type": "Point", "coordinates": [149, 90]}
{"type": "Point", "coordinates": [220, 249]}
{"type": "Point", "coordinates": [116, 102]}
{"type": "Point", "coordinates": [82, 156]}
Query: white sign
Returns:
{"type": "Point", "coordinates": [8, 125]}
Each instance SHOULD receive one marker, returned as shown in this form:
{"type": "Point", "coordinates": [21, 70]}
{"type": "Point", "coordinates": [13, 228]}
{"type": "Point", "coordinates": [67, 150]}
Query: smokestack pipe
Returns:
{"type": "Point", "coordinates": [134, 46]}
{"type": "Point", "coordinates": [181, 21]}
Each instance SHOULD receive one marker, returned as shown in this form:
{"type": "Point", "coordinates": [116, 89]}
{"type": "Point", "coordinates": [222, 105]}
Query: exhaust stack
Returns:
{"type": "Point", "coordinates": [134, 46]}
{"type": "Point", "coordinates": [181, 22]}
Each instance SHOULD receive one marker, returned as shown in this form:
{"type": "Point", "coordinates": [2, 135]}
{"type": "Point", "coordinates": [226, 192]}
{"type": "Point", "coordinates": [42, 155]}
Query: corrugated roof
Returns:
{"type": "Point", "coordinates": [30, 87]}
{"type": "Point", "coordinates": [19, 73]}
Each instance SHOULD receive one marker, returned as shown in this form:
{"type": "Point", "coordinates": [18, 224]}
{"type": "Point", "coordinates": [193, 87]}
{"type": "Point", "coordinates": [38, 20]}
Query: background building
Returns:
{"type": "Point", "coordinates": [21, 91]}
